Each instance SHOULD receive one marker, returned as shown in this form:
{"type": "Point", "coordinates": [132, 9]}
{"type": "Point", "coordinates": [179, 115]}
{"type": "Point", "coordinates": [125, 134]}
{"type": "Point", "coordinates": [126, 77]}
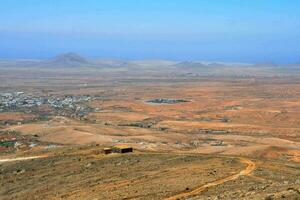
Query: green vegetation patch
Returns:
{"type": "Point", "coordinates": [7, 144]}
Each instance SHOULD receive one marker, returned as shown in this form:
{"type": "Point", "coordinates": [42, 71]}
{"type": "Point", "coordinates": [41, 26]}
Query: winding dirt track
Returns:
{"type": "Point", "coordinates": [20, 159]}
{"type": "Point", "coordinates": [251, 166]}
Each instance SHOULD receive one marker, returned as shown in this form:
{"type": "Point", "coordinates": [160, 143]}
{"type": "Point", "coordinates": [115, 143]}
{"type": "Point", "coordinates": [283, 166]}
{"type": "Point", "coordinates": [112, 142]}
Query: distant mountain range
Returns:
{"type": "Point", "coordinates": [189, 65]}
{"type": "Point", "coordinates": [73, 60]}
{"type": "Point", "coordinates": [266, 64]}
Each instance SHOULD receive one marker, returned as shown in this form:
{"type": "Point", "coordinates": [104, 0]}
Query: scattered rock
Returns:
{"type": "Point", "coordinates": [251, 188]}
{"type": "Point", "coordinates": [19, 171]}
{"type": "Point", "coordinates": [269, 197]}
{"type": "Point", "coordinates": [88, 165]}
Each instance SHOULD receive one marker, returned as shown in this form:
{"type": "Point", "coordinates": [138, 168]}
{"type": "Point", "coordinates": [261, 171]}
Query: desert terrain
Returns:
{"type": "Point", "coordinates": [209, 133]}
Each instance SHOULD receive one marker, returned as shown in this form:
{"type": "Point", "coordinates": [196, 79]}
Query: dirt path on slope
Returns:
{"type": "Point", "coordinates": [251, 166]}
{"type": "Point", "coordinates": [20, 159]}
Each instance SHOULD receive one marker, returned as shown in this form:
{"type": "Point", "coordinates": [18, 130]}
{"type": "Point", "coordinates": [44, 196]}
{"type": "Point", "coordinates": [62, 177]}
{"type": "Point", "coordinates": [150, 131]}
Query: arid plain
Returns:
{"type": "Point", "coordinates": [233, 136]}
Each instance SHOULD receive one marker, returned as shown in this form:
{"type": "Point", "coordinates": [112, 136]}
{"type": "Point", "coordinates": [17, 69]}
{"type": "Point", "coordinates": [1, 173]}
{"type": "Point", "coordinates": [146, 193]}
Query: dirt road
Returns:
{"type": "Point", "coordinates": [20, 159]}
{"type": "Point", "coordinates": [251, 166]}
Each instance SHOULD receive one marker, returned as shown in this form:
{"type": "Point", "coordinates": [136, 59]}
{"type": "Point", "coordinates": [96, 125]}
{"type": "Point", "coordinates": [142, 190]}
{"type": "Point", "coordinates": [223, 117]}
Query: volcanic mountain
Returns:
{"type": "Point", "coordinates": [68, 60]}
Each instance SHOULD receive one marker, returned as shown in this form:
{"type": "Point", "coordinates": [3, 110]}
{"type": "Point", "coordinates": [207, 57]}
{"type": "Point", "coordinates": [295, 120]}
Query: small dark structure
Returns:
{"type": "Point", "coordinates": [123, 149]}
{"type": "Point", "coordinates": [107, 150]}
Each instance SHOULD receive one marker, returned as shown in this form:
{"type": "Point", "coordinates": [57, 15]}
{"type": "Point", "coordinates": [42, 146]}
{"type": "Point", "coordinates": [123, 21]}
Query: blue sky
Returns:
{"type": "Point", "coordinates": [225, 30]}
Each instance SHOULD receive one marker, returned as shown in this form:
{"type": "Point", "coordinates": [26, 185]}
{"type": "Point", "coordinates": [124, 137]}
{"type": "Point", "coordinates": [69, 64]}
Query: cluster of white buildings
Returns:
{"type": "Point", "coordinates": [21, 101]}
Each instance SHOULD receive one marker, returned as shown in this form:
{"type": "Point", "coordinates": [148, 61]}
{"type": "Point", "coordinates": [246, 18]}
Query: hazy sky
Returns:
{"type": "Point", "coordinates": [227, 30]}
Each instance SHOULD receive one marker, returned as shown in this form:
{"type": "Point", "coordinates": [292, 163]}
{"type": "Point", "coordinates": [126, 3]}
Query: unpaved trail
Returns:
{"type": "Point", "coordinates": [20, 159]}
{"type": "Point", "coordinates": [251, 166]}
